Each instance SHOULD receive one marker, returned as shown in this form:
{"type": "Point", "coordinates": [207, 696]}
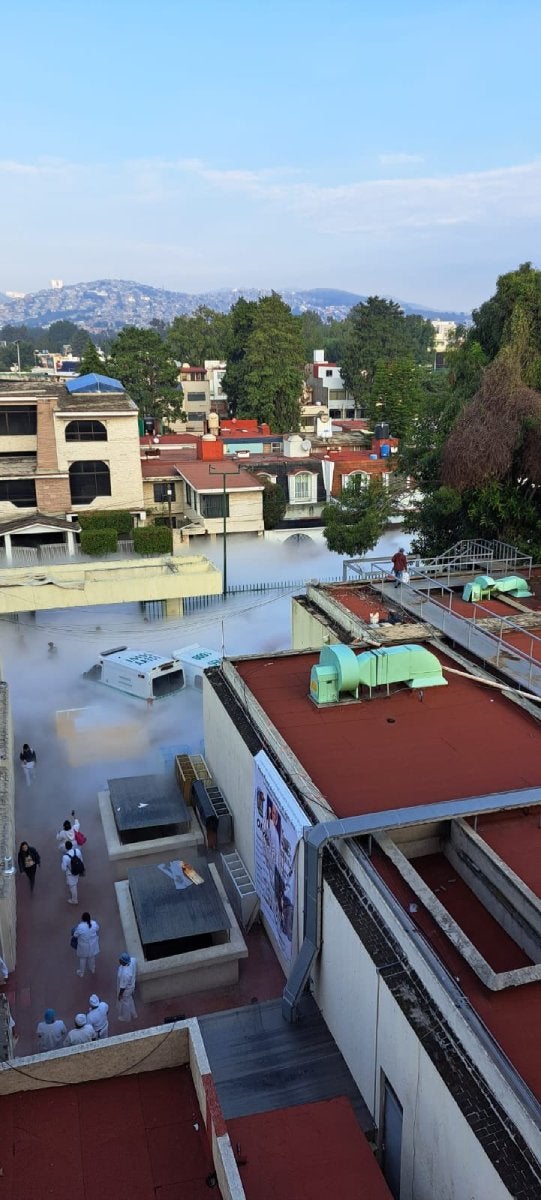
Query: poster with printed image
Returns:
{"type": "Point", "coordinates": [278, 825]}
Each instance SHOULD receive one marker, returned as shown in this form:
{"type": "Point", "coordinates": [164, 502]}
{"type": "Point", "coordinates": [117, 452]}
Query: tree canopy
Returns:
{"type": "Point", "coordinates": [355, 522]}
{"type": "Point", "coordinates": [141, 360]}
{"type": "Point", "coordinates": [91, 361]}
{"type": "Point", "coordinates": [203, 334]}
{"type": "Point", "coordinates": [264, 375]}
{"type": "Point", "coordinates": [377, 331]}
{"type": "Point", "coordinates": [482, 473]}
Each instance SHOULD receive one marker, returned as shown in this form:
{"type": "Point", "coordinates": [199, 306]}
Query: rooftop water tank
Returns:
{"type": "Point", "coordinates": [385, 450]}
{"type": "Point", "coordinates": [373, 457]}
{"type": "Point", "coordinates": [381, 430]}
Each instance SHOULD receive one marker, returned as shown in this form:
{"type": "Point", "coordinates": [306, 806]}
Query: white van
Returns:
{"type": "Point", "coordinates": [194, 660]}
{"type": "Point", "coordinates": [138, 672]}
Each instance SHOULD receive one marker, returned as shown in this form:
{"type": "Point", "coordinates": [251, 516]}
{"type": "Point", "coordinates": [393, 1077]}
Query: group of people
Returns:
{"type": "Point", "coordinates": [94, 1024]}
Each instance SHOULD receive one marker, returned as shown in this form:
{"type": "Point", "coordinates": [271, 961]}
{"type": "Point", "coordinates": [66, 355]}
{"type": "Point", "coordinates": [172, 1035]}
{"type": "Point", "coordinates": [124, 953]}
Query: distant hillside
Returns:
{"type": "Point", "coordinates": [112, 303]}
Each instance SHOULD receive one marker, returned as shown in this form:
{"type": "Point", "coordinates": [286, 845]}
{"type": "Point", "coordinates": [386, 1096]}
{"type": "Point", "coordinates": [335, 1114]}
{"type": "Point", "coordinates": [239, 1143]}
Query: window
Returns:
{"type": "Point", "coordinates": [88, 480]}
{"type": "Point", "coordinates": [276, 447]}
{"type": "Point", "coordinates": [302, 484]}
{"type": "Point", "coordinates": [197, 398]}
{"type": "Point", "coordinates": [20, 492]}
{"type": "Point", "coordinates": [189, 497]}
{"type": "Point", "coordinates": [18, 421]}
{"type": "Point", "coordinates": [329, 374]}
{"type": "Point", "coordinates": [213, 506]}
{"type": "Point", "coordinates": [160, 492]}
{"type": "Point", "coordinates": [86, 431]}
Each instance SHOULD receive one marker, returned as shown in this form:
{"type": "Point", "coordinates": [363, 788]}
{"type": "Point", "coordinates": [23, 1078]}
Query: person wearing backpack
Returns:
{"type": "Point", "coordinates": [73, 866]}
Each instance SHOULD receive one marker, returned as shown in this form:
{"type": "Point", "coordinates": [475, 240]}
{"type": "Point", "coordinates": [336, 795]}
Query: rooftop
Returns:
{"type": "Point", "coordinates": [202, 479]}
{"type": "Point", "coordinates": [460, 740]}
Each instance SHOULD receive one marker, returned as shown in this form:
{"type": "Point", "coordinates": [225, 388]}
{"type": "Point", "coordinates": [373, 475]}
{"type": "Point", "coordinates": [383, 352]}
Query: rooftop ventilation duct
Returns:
{"type": "Point", "coordinates": [340, 672]}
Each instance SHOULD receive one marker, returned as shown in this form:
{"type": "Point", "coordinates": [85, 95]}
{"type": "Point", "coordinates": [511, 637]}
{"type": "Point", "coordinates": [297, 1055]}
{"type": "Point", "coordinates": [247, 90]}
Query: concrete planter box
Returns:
{"type": "Point", "coordinates": [151, 852]}
{"type": "Point", "coordinates": [178, 975]}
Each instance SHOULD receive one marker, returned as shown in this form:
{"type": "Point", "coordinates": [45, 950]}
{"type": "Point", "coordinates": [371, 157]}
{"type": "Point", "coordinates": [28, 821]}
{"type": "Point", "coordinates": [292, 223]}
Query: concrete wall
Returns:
{"type": "Point", "coordinates": [309, 630]}
{"type": "Point", "coordinates": [8, 902]}
{"type": "Point", "coordinates": [232, 766]}
{"type": "Point", "coordinates": [121, 452]}
{"type": "Point", "coordinates": [112, 582]}
{"type": "Point", "coordinates": [245, 513]}
{"type": "Point", "coordinates": [374, 1036]}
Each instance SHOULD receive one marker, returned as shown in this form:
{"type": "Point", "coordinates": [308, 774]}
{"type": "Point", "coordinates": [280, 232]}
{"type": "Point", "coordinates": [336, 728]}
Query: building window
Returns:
{"type": "Point", "coordinates": [329, 374]}
{"type": "Point", "coordinates": [86, 431]}
{"type": "Point", "coordinates": [197, 398]}
{"type": "Point", "coordinates": [20, 492]}
{"type": "Point", "coordinates": [161, 490]}
{"type": "Point", "coordinates": [276, 447]}
{"type": "Point", "coordinates": [302, 486]}
{"type": "Point", "coordinates": [189, 497]}
{"type": "Point", "coordinates": [18, 421]}
{"type": "Point", "coordinates": [88, 480]}
{"type": "Point", "coordinates": [213, 506]}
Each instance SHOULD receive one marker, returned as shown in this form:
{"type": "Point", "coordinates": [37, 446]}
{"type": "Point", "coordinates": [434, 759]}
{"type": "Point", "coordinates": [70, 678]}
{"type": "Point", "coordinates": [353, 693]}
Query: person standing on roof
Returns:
{"type": "Point", "coordinates": [28, 759]}
{"type": "Point", "coordinates": [88, 945]}
{"type": "Point", "coordinates": [71, 870]}
{"type": "Point", "coordinates": [400, 564]}
{"type": "Point", "coordinates": [83, 1032]}
{"type": "Point", "coordinates": [125, 987]}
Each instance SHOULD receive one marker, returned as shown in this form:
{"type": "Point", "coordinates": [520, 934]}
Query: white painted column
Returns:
{"type": "Point", "coordinates": [70, 539]}
{"type": "Point", "coordinates": [7, 546]}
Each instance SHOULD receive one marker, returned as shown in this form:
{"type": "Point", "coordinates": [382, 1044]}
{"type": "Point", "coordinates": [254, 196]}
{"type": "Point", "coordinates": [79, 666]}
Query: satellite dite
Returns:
{"type": "Point", "coordinates": [138, 672]}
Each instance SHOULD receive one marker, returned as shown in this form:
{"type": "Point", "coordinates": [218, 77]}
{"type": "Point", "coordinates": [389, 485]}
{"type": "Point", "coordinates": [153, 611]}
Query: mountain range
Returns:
{"type": "Point", "coordinates": [108, 304]}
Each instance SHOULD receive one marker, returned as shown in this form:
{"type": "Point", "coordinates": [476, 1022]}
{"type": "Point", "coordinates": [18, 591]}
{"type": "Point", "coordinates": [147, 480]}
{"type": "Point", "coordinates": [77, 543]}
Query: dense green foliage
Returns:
{"type": "Point", "coordinates": [355, 522]}
{"type": "Point", "coordinates": [479, 452]}
{"type": "Point", "coordinates": [204, 334]}
{"type": "Point", "coordinates": [153, 539]}
{"type": "Point", "coordinates": [264, 375]}
{"type": "Point", "coordinates": [396, 395]}
{"type": "Point", "coordinates": [99, 541]}
{"type": "Point", "coordinates": [91, 361]}
{"type": "Point", "coordinates": [378, 332]}
{"type": "Point", "coordinates": [141, 360]}
{"type": "Point", "coordinates": [119, 519]}
{"type": "Point", "coordinates": [35, 337]}
{"type": "Point", "coordinates": [274, 504]}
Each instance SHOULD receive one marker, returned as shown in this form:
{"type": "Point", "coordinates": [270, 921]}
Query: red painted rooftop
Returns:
{"type": "Point", "coordinates": [311, 1152]}
{"type": "Point", "coordinates": [199, 476]}
{"type": "Point", "coordinates": [460, 740]}
{"type": "Point", "coordinates": [131, 1138]}
{"type": "Point", "coordinates": [361, 601]}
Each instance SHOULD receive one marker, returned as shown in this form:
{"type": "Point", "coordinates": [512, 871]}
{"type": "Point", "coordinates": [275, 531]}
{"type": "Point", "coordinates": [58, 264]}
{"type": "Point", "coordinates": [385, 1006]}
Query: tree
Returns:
{"type": "Point", "coordinates": [91, 363]}
{"type": "Point", "coordinates": [264, 375]}
{"type": "Point", "coordinates": [396, 396]}
{"type": "Point", "coordinates": [203, 334]}
{"type": "Point", "coordinates": [66, 333]}
{"type": "Point", "coordinates": [354, 523]}
{"type": "Point", "coordinates": [377, 331]}
{"type": "Point", "coordinates": [9, 358]}
{"type": "Point", "coordinates": [142, 362]}
{"type": "Point", "coordinates": [274, 503]}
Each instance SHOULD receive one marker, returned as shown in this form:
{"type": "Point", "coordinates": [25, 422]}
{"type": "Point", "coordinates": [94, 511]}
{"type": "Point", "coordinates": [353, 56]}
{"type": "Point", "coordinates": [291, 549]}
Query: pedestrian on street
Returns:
{"type": "Point", "coordinates": [28, 759]}
{"type": "Point", "coordinates": [83, 1032]}
{"type": "Point", "coordinates": [69, 829]}
{"type": "Point", "coordinates": [125, 987]}
{"type": "Point", "coordinates": [51, 1031]}
{"type": "Point", "coordinates": [88, 945]}
{"type": "Point", "coordinates": [97, 1016]}
{"type": "Point", "coordinates": [29, 860]}
{"type": "Point", "coordinates": [70, 859]}
{"type": "Point", "coordinates": [3, 971]}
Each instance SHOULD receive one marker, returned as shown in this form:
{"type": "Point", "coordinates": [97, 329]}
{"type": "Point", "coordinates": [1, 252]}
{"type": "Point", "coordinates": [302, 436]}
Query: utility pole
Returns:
{"type": "Point", "coordinates": [169, 498]}
{"type": "Point", "coordinates": [224, 474]}
{"type": "Point", "coordinates": [18, 357]}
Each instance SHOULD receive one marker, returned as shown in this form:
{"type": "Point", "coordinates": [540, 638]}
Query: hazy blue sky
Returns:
{"type": "Point", "coordinates": [194, 144]}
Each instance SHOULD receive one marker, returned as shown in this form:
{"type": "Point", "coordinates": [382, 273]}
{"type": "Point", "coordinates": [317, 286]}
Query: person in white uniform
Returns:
{"type": "Point", "coordinates": [83, 1032]}
{"type": "Point", "coordinates": [51, 1031]}
{"type": "Point", "coordinates": [97, 1016]}
{"type": "Point", "coordinates": [70, 853]}
{"type": "Point", "coordinates": [88, 944]}
{"type": "Point", "coordinates": [67, 833]}
{"type": "Point", "coordinates": [125, 987]}
{"type": "Point", "coordinates": [3, 970]}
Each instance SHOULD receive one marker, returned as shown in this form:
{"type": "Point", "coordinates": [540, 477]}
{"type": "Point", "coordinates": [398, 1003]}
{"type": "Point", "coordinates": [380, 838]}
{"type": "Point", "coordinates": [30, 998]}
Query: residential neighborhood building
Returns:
{"type": "Point", "coordinates": [215, 370]}
{"type": "Point", "coordinates": [324, 381]}
{"type": "Point", "coordinates": [195, 386]}
{"type": "Point", "coordinates": [209, 486]}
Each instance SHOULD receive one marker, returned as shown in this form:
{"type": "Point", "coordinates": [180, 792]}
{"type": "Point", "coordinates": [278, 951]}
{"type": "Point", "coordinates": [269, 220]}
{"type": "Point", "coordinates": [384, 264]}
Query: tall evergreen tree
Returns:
{"type": "Point", "coordinates": [396, 396]}
{"type": "Point", "coordinates": [264, 375]}
{"type": "Point", "coordinates": [378, 331]}
{"type": "Point", "coordinates": [141, 360]}
{"type": "Point", "coordinates": [91, 363]}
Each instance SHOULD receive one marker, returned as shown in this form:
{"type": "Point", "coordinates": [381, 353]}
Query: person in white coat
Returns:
{"type": "Point", "coordinates": [125, 987]}
{"type": "Point", "coordinates": [70, 853]}
{"type": "Point", "coordinates": [88, 944]}
{"type": "Point", "coordinates": [97, 1016]}
{"type": "Point", "coordinates": [83, 1032]}
{"type": "Point", "coordinates": [3, 970]}
{"type": "Point", "coordinates": [68, 831]}
{"type": "Point", "coordinates": [51, 1031]}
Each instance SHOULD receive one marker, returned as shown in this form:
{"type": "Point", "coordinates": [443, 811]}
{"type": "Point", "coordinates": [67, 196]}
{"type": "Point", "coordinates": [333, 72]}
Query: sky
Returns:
{"type": "Point", "coordinates": [199, 144]}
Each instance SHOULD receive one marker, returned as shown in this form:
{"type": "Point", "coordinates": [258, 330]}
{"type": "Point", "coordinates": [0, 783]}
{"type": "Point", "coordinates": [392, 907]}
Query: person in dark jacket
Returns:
{"type": "Point", "coordinates": [29, 861]}
{"type": "Point", "coordinates": [400, 564]}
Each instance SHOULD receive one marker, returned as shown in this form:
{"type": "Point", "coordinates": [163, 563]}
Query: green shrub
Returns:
{"type": "Point", "coordinates": [153, 539]}
{"type": "Point", "coordinates": [274, 504]}
{"type": "Point", "coordinates": [99, 541]}
{"type": "Point", "coordinates": [121, 521]}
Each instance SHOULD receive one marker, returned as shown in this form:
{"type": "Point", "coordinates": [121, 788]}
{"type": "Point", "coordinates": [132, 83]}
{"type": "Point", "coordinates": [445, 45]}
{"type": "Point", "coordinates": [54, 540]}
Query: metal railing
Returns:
{"type": "Point", "coordinates": [464, 558]}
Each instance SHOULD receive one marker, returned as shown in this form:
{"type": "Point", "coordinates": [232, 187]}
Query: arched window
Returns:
{"type": "Point", "coordinates": [88, 480]}
{"type": "Point", "coordinates": [86, 431]}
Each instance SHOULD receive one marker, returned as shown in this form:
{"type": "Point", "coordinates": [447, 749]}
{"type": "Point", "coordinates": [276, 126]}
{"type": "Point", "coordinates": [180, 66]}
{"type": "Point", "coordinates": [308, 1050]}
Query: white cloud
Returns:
{"type": "Point", "coordinates": [399, 160]}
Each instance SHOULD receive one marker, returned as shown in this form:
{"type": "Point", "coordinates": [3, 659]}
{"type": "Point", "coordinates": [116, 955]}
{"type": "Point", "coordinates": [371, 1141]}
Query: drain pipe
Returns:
{"type": "Point", "coordinates": [316, 837]}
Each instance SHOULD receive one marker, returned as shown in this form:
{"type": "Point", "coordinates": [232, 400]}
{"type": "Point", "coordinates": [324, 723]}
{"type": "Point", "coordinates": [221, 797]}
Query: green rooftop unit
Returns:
{"type": "Point", "coordinates": [483, 587]}
{"type": "Point", "coordinates": [340, 672]}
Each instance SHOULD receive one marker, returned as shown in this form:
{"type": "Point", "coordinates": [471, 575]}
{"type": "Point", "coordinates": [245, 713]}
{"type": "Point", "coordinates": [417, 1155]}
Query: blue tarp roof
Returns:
{"type": "Point", "coordinates": [94, 383]}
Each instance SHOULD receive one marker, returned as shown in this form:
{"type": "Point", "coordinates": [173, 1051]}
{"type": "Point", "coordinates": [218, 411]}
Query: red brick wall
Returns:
{"type": "Point", "coordinates": [53, 495]}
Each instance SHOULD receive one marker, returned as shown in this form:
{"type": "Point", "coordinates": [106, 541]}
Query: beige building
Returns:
{"type": "Point", "coordinates": [64, 450]}
{"type": "Point", "coordinates": [204, 495]}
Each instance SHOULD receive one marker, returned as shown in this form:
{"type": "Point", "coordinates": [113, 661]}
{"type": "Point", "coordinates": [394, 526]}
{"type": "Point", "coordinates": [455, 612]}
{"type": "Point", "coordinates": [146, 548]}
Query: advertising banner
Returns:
{"type": "Point", "coordinates": [278, 825]}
